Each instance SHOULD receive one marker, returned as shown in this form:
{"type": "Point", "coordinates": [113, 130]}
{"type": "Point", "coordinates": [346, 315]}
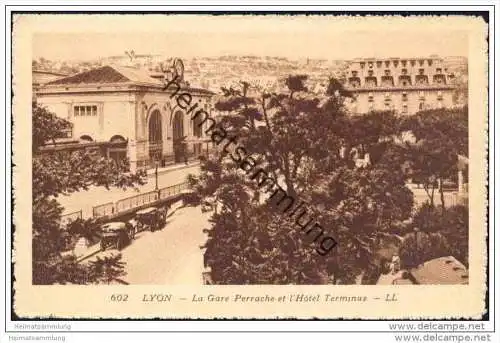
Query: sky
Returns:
{"type": "Point", "coordinates": [84, 38]}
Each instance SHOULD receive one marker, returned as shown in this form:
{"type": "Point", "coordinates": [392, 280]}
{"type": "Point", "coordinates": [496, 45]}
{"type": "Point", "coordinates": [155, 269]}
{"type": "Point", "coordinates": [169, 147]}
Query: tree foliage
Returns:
{"type": "Point", "coordinates": [441, 135]}
{"type": "Point", "coordinates": [311, 146]}
{"type": "Point", "coordinates": [452, 226]}
{"type": "Point", "coordinates": [63, 172]}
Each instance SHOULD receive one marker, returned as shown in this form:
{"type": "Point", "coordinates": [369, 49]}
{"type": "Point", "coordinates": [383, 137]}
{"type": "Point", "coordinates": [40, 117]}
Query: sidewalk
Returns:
{"type": "Point", "coordinates": [178, 166]}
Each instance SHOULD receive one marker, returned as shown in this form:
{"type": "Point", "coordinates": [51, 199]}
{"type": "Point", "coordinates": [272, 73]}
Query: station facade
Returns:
{"type": "Point", "coordinates": [127, 112]}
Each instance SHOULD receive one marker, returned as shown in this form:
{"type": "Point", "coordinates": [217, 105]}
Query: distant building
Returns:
{"type": "Point", "coordinates": [41, 77]}
{"type": "Point", "coordinates": [128, 113]}
{"type": "Point", "coordinates": [405, 85]}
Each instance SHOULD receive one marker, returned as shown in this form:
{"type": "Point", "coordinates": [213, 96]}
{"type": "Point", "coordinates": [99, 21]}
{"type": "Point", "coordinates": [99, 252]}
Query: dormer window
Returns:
{"type": "Point", "coordinates": [362, 64]}
{"type": "Point", "coordinates": [412, 62]}
{"type": "Point", "coordinates": [429, 62]}
{"type": "Point", "coordinates": [396, 62]}
{"type": "Point", "coordinates": [438, 79]}
{"type": "Point", "coordinates": [403, 63]}
{"type": "Point", "coordinates": [379, 64]}
{"type": "Point", "coordinates": [421, 63]}
{"type": "Point", "coordinates": [387, 63]}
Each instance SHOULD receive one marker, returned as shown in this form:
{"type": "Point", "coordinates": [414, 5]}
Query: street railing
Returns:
{"type": "Point", "coordinates": [70, 217]}
{"type": "Point", "coordinates": [135, 201]}
{"type": "Point", "coordinates": [172, 190]}
{"type": "Point", "coordinates": [103, 210]}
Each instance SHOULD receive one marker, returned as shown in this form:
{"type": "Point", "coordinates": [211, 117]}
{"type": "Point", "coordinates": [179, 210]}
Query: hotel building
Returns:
{"type": "Point", "coordinates": [405, 85]}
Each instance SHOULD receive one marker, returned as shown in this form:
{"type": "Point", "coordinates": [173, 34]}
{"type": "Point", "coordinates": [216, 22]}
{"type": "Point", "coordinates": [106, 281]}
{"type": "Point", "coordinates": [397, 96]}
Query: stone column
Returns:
{"type": "Point", "coordinates": [132, 154]}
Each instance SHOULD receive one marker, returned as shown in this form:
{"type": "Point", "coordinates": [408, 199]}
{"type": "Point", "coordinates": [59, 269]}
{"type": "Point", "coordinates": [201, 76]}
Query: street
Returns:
{"type": "Point", "coordinates": [95, 196]}
{"type": "Point", "coordinates": [171, 255]}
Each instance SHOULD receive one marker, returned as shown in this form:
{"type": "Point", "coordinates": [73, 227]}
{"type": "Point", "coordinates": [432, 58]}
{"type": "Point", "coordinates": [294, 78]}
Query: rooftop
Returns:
{"type": "Point", "coordinates": [116, 74]}
{"type": "Point", "coordinates": [109, 74]}
{"type": "Point", "coordinates": [442, 270]}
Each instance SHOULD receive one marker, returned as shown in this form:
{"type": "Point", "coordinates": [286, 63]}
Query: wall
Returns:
{"type": "Point", "coordinates": [361, 105]}
{"type": "Point", "coordinates": [115, 113]}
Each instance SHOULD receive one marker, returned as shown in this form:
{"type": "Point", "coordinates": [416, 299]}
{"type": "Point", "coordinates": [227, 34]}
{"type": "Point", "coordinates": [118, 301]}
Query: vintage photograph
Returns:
{"type": "Point", "coordinates": [277, 153]}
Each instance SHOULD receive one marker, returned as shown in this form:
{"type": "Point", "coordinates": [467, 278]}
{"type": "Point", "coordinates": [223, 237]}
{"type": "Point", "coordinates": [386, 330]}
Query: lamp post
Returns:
{"type": "Point", "coordinates": [416, 238]}
{"type": "Point", "coordinates": [156, 175]}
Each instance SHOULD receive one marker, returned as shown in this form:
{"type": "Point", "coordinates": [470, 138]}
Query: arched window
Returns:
{"type": "Point", "coordinates": [86, 139]}
{"type": "Point", "coordinates": [155, 136]}
{"type": "Point", "coordinates": [117, 139]}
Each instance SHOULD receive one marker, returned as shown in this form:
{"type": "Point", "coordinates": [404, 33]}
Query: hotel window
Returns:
{"type": "Point", "coordinates": [412, 62]}
{"type": "Point", "coordinates": [387, 72]}
{"type": "Point", "coordinates": [362, 64]}
{"type": "Point", "coordinates": [438, 70]}
{"type": "Point", "coordinates": [370, 65]}
{"type": "Point", "coordinates": [421, 62]}
{"type": "Point", "coordinates": [403, 63]}
{"type": "Point", "coordinates": [404, 71]}
{"type": "Point", "coordinates": [379, 64]}
{"type": "Point", "coordinates": [429, 62]}
{"type": "Point", "coordinates": [421, 105]}
{"type": "Point", "coordinates": [387, 63]}
{"type": "Point", "coordinates": [354, 73]}
{"type": "Point", "coordinates": [396, 63]}
{"type": "Point", "coordinates": [80, 111]}
{"type": "Point", "coordinates": [421, 71]}
{"type": "Point", "coordinates": [440, 96]}
{"type": "Point", "coordinates": [404, 97]}
{"type": "Point", "coordinates": [370, 72]}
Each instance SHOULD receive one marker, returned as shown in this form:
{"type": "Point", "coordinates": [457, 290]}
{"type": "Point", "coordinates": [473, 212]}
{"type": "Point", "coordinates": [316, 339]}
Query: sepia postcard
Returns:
{"type": "Point", "coordinates": [200, 166]}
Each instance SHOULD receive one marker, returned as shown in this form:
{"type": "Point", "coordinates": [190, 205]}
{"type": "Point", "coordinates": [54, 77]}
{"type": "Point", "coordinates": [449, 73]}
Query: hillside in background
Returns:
{"type": "Point", "coordinates": [214, 72]}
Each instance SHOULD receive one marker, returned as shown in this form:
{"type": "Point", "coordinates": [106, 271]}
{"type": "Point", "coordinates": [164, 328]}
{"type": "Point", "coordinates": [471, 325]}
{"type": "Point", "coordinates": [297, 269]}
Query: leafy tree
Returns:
{"type": "Point", "coordinates": [419, 247]}
{"type": "Point", "coordinates": [88, 229]}
{"type": "Point", "coordinates": [106, 269]}
{"type": "Point", "coordinates": [453, 227]}
{"type": "Point", "coordinates": [63, 172]}
{"type": "Point", "coordinates": [441, 135]}
{"type": "Point", "coordinates": [304, 141]}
